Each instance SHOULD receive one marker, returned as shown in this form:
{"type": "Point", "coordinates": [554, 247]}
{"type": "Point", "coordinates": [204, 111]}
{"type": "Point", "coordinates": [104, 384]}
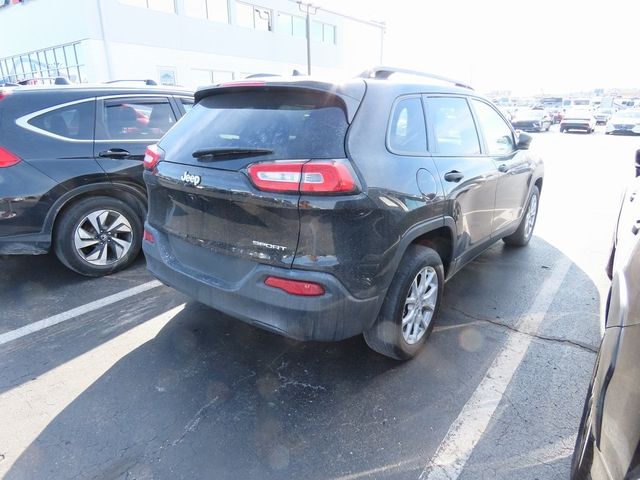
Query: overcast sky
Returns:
{"type": "Point", "coordinates": [538, 46]}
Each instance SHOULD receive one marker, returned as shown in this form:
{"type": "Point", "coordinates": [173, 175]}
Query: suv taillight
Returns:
{"type": "Point", "coordinates": [314, 176]}
{"type": "Point", "coordinates": [152, 156]}
{"type": "Point", "coordinates": [8, 159]}
{"type": "Point", "coordinates": [4, 92]}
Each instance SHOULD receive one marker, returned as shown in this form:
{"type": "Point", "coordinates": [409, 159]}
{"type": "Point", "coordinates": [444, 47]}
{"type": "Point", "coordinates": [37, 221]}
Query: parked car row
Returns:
{"type": "Point", "coordinates": [254, 206]}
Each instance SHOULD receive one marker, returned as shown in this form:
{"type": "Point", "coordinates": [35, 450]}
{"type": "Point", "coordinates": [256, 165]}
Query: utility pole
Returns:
{"type": "Point", "coordinates": [309, 9]}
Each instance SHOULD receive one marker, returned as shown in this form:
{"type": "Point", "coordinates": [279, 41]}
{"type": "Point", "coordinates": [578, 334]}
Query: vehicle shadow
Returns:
{"type": "Point", "coordinates": [211, 397]}
{"type": "Point", "coordinates": [35, 287]}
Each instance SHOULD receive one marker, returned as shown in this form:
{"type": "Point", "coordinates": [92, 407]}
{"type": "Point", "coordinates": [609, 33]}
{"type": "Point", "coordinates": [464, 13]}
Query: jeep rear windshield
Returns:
{"type": "Point", "coordinates": [281, 123]}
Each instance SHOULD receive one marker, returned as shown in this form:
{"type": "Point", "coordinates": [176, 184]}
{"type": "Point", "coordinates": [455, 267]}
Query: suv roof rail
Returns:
{"type": "Point", "coordinates": [41, 80]}
{"type": "Point", "coordinates": [146, 81]}
{"type": "Point", "coordinates": [383, 73]}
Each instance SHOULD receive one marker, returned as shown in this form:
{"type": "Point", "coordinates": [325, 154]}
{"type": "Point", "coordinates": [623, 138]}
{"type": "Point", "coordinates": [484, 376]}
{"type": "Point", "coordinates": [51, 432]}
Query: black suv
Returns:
{"type": "Point", "coordinates": [71, 169]}
{"type": "Point", "coordinates": [323, 210]}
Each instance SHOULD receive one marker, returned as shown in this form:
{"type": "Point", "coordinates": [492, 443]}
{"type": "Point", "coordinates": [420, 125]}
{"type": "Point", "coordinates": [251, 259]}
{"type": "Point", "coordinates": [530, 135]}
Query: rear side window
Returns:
{"type": "Point", "coordinates": [407, 132]}
{"type": "Point", "coordinates": [454, 130]}
{"type": "Point", "coordinates": [136, 119]}
{"type": "Point", "coordinates": [292, 123]}
{"type": "Point", "coordinates": [496, 131]}
{"type": "Point", "coordinates": [187, 104]}
{"type": "Point", "coordinates": [74, 121]}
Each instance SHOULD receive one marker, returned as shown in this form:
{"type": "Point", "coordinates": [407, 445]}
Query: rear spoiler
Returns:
{"type": "Point", "coordinates": [351, 93]}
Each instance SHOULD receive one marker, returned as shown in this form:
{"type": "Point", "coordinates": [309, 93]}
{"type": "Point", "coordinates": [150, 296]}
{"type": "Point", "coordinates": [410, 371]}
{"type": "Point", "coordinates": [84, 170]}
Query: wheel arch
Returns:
{"type": "Point", "coordinates": [132, 195]}
{"type": "Point", "coordinates": [538, 183]}
{"type": "Point", "coordinates": [438, 234]}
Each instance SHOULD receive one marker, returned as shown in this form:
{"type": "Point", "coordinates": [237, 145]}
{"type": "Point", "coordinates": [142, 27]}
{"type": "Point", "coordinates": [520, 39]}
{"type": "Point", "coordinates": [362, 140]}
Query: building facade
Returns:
{"type": "Point", "coordinates": [178, 42]}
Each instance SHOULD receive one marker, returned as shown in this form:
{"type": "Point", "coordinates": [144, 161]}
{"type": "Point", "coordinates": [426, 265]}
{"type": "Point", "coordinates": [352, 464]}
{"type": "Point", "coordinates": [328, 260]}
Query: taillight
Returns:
{"type": "Point", "coordinates": [152, 156]}
{"type": "Point", "coordinates": [276, 176]}
{"type": "Point", "coordinates": [8, 159]}
{"type": "Point", "coordinates": [315, 176]}
{"type": "Point", "coordinates": [295, 287]}
{"type": "Point", "coordinates": [147, 236]}
{"type": "Point", "coordinates": [5, 92]}
{"type": "Point", "coordinates": [327, 177]}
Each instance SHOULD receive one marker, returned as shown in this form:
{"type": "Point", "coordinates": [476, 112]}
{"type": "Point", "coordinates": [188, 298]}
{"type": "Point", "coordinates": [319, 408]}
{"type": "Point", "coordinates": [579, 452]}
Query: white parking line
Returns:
{"type": "Point", "coordinates": [75, 312]}
{"type": "Point", "coordinates": [29, 408]}
{"type": "Point", "coordinates": [468, 428]}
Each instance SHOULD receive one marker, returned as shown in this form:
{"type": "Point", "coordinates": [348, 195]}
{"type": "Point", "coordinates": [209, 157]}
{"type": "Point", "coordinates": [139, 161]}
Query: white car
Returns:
{"type": "Point", "coordinates": [578, 119]}
{"type": "Point", "coordinates": [626, 121]}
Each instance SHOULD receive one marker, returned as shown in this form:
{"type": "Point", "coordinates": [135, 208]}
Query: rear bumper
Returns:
{"type": "Point", "coordinates": [528, 126]}
{"type": "Point", "coordinates": [575, 126]}
{"type": "Point", "coordinates": [336, 315]}
{"type": "Point", "coordinates": [32, 244]}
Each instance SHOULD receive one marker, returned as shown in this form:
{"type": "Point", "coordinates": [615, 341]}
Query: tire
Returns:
{"type": "Point", "coordinates": [582, 458]}
{"type": "Point", "coordinates": [562, 130]}
{"type": "Point", "coordinates": [109, 229]}
{"type": "Point", "coordinates": [421, 267]}
{"type": "Point", "coordinates": [523, 234]}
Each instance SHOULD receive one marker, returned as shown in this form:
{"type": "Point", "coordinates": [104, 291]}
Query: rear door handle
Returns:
{"type": "Point", "coordinates": [636, 227]}
{"type": "Point", "coordinates": [115, 153]}
{"type": "Point", "coordinates": [453, 176]}
{"type": "Point", "coordinates": [504, 168]}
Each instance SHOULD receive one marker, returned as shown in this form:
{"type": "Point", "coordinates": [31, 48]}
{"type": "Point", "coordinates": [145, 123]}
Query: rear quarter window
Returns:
{"type": "Point", "coordinates": [73, 121]}
{"type": "Point", "coordinates": [407, 129]}
{"type": "Point", "coordinates": [293, 123]}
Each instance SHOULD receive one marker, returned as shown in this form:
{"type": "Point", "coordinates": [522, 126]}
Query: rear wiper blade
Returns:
{"type": "Point", "coordinates": [221, 153]}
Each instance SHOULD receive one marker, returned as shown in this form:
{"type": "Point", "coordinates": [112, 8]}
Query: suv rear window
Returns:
{"type": "Point", "coordinates": [293, 123]}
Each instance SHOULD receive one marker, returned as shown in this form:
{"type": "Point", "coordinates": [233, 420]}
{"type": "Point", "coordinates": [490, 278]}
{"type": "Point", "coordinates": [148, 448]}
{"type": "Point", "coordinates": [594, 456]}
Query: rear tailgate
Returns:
{"type": "Point", "coordinates": [210, 202]}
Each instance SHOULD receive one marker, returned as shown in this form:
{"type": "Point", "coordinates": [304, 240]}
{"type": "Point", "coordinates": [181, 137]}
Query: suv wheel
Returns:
{"type": "Point", "coordinates": [525, 230]}
{"type": "Point", "coordinates": [98, 236]}
{"type": "Point", "coordinates": [411, 306]}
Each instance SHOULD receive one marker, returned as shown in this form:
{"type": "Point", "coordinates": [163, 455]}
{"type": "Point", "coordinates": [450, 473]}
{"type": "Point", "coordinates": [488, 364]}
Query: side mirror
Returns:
{"type": "Point", "coordinates": [637, 163]}
{"type": "Point", "coordinates": [524, 141]}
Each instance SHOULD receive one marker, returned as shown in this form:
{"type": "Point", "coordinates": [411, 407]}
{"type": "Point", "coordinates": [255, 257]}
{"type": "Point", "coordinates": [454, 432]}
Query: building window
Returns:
{"type": "Point", "coordinates": [43, 66]}
{"type": "Point", "coordinates": [215, 10]}
{"type": "Point", "coordinates": [167, 6]}
{"type": "Point", "coordinates": [167, 76]}
{"type": "Point", "coordinates": [292, 25]}
{"type": "Point", "coordinates": [323, 32]}
{"type": "Point", "coordinates": [253, 16]}
{"type": "Point", "coordinates": [221, 77]}
{"type": "Point", "coordinates": [200, 78]}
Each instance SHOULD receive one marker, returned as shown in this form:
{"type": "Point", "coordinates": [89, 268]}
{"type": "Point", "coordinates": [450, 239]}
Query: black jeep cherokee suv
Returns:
{"type": "Point", "coordinates": [71, 169]}
{"type": "Point", "coordinates": [324, 210]}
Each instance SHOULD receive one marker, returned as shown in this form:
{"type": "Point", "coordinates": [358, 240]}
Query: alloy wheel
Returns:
{"type": "Point", "coordinates": [103, 237]}
{"type": "Point", "coordinates": [419, 305]}
{"type": "Point", "coordinates": [531, 216]}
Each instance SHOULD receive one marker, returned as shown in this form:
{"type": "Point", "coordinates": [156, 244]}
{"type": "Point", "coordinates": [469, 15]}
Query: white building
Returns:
{"type": "Point", "coordinates": [184, 42]}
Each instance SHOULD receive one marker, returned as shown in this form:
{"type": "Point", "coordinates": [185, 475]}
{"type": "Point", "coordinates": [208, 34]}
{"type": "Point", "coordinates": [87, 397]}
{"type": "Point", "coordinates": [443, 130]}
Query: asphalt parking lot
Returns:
{"type": "Point", "coordinates": [138, 382]}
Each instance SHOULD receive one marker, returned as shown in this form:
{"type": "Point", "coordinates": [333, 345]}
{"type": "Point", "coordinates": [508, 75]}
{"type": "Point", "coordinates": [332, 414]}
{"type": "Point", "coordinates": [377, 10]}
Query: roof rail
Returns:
{"type": "Point", "coordinates": [42, 80]}
{"type": "Point", "coordinates": [147, 81]}
{"type": "Point", "coordinates": [383, 73]}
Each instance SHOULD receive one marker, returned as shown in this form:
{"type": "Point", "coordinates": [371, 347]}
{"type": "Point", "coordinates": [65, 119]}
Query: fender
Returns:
{"type": "Point", "coordinates": [417, 231]}
{"type": "Point", "coordinates": [106, 187]}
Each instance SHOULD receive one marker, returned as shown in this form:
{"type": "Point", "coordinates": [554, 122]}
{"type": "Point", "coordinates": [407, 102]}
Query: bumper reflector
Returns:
{"type": "Point", "coordinates": [295, 287]}
{"type": "Point", "coordinates": [147, 236]}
